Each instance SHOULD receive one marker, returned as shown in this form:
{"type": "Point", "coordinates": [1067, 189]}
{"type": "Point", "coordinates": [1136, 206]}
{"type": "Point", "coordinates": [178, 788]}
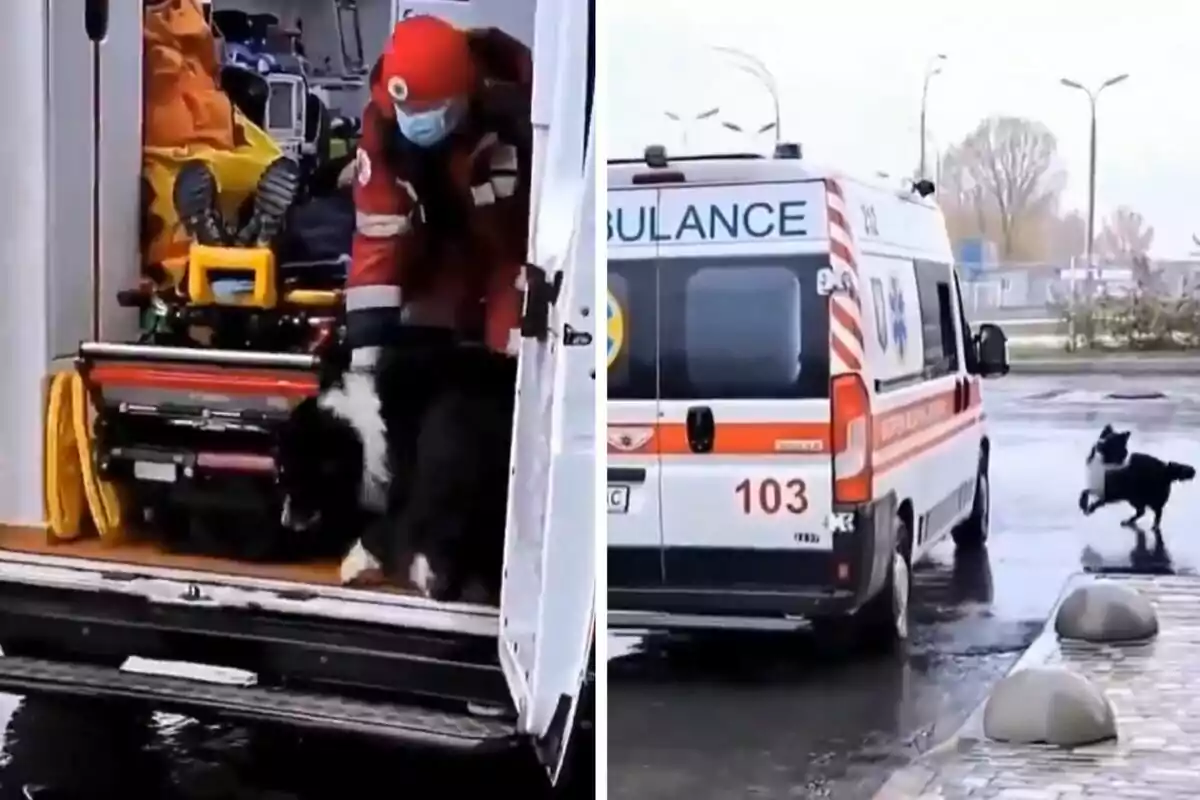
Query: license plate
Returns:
{"type": "Point", "coordinates": [150, 471]}
{"type": "Point", "coordinates": [618, 499]}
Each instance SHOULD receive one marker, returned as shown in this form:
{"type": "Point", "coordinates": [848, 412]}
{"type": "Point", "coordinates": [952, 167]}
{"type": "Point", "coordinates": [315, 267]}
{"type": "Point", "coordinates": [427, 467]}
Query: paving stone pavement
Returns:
{"type": "Point", "coordinates": [1155, 690]}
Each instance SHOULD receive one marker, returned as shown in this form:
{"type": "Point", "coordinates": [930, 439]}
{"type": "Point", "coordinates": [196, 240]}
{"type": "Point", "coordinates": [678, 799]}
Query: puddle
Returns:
{"type": "Point", "coordinates": [1136, 396]}
{"type": "Point", "coordinates": [1091, 397]}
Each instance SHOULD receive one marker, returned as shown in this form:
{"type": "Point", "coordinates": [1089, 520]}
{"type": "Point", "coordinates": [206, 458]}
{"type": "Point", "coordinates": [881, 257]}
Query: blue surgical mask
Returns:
{"type": "Point", "coordinates": [427, 128]}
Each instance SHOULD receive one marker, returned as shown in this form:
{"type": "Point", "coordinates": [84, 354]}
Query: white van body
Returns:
{"type": "Point", "coordinates": [72, 172]}
{"type": "Point", "coordinates": [746, 296]}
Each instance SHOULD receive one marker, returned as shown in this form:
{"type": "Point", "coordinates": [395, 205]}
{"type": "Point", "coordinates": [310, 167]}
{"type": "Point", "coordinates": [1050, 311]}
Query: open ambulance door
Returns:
{"type": "Point", "coordinates": [547, 606]}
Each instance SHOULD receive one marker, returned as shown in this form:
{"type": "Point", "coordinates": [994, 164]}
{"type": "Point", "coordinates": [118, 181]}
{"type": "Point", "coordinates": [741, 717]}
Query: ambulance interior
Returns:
{"type": "Point", "coordinates": [290, 76]}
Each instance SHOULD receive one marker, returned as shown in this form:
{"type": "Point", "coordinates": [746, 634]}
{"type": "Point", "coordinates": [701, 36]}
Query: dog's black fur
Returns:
{"type": "Point", "coordinates": [1116, 475]}
{"type": "Point", "coordinates": [447, 413]}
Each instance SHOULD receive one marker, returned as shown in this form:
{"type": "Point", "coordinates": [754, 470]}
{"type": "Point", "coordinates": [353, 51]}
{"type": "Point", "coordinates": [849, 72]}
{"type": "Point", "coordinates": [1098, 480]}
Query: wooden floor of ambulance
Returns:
{"type": "Point", "coordinates": [148, 553]}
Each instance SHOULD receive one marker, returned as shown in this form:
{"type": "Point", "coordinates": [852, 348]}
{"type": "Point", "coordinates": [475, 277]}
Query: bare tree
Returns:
{"type": "Point", "coordinates": [962, 201]}
{"type": "Point", "coordinates": [1007, 173]}
{"type": "Point", "coordinates": [1067, 236]}
{"type": "Point", "coordinates": [1124, 236]}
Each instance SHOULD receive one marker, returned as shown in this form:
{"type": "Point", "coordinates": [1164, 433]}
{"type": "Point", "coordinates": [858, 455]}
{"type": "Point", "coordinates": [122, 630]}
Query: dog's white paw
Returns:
{"type": "Point", "coordinates": [421, 576]}
{"type": "Point", "coordinates": [358, 563]}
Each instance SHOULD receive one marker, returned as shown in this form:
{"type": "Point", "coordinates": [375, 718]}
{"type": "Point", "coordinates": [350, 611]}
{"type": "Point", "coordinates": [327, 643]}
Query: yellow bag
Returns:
{"type": "Point", "coordinates": [71, 482]}
{"type": "Point", "coordinates": [62, 479]}
{"type": "Point", "coordinates": [103, 501]}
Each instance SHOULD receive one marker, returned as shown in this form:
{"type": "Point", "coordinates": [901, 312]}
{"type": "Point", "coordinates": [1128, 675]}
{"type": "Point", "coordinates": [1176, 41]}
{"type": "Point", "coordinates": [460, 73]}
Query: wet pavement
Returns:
{"type": "Point", "coordinates": [1150, 686]}
{"type": "Point", "coordinates": [738, 717]}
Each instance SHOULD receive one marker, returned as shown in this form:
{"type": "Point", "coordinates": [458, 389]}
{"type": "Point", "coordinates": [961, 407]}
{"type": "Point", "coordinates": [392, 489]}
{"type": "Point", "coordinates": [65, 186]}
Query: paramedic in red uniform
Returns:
{"type": "Point", "coordinates": [442, 189]}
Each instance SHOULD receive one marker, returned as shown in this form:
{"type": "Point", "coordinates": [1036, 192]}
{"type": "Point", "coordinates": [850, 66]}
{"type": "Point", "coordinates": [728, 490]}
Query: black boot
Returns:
{"type": "Point", "coordinates": [277, 189]}
{"type": "Point", "coordinates": [195, 198]}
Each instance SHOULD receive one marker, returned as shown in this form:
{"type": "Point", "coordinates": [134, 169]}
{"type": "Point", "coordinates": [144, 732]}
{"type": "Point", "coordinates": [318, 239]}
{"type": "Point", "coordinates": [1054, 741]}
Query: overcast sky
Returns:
{"type": "Point", "coordinates": [850, 73]}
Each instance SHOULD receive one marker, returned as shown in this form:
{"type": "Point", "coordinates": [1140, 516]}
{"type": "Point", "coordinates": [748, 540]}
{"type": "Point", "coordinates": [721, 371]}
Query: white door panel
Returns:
{"type": "Point", "coordinates": [634, 510]}
{"type": "Point", "coordinates": [634, 477]}
{"type": "Point", "coordinates": [915, 451]}
{"type": "Point", "coordinates": [744, 426]}
{"type": "Point", "coordinates": [547, 602]}
{"type": "Point", "coordinates": [764, 486]}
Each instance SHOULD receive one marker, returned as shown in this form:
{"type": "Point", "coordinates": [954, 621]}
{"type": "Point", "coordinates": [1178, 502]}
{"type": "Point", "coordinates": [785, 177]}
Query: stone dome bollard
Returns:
{"type": "Point", "coordinates": [1048, 705]}
{"type": "Point", "coordinates": [1106, 612]}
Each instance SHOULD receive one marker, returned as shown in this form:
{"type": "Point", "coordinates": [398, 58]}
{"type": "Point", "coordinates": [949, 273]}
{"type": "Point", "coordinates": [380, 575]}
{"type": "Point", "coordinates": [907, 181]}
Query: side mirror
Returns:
{"type": "Point", "coordinates": [992, 347]}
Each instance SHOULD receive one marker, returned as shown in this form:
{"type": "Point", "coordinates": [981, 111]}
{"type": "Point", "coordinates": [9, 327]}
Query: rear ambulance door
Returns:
{"type": "Point", "coordinates": [634, 510]}
{"type": "Point", "coordinates": [744, 386]}
{"type": "Point", "coordinates": [547, 600]}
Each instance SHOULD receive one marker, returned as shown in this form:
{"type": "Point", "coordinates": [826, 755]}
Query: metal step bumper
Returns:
{"type": "Point", "coordinates": [410, 725]}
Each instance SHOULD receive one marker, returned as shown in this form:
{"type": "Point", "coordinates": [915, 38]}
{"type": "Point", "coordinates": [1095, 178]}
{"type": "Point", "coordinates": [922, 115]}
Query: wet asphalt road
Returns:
{"type": "Point", "coordinates": [740, 717]}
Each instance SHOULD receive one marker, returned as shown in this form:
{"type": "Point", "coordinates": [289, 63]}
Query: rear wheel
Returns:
{"type": "Point", "coordinates": [972, 532]}
{"type": "Point", "coordinates": [883, 620]}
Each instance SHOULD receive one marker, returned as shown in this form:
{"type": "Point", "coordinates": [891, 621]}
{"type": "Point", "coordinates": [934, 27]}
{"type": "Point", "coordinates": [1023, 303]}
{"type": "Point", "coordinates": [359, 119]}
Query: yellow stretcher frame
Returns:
{"type": "Point", "coordinates": [74, 492]}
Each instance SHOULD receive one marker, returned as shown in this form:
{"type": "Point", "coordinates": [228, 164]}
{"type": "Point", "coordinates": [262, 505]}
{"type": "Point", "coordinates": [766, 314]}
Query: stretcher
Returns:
{"type": "Point", "coordinates": [181, 441]}
{"type": "Point", "coordinates": [244, 300]}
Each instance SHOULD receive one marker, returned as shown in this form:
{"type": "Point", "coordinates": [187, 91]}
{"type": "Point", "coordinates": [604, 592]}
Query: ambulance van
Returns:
{"type": "Point", "coordinates": [794, 407]}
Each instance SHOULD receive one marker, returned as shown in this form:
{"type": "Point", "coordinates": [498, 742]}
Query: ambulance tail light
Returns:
{"type": "Point", "coordinates": [851, 416]}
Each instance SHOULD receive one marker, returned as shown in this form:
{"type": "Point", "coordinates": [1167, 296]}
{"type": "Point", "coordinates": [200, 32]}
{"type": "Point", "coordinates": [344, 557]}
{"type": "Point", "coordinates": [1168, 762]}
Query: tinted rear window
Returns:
{"type": "Point", "coordinates": [741, 332]}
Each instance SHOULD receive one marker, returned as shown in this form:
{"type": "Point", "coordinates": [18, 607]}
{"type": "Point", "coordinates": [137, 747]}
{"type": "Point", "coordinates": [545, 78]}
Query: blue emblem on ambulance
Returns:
{"type": "Point", "coordinates": [879, 305]}
{"type": "Point", "coordinates": [899, 325]}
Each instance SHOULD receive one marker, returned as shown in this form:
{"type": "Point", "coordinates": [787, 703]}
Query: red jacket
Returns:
{"type": "Point", "coordinates": [434, 254]}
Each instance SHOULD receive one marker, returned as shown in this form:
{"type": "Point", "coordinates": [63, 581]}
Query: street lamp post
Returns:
{"type": "Point", "coordinates": [934, 67]}
{"type": "Point", "coordinates": [685, 122]}
{"type": "Point", "coordinates": [1089, 244]}
{"type": "Point", "coordinates": [733, 126]}
{"type": "Point", "coordinates": [753, 66]}
{"type": "Point", "coordinates": [1092, 96]}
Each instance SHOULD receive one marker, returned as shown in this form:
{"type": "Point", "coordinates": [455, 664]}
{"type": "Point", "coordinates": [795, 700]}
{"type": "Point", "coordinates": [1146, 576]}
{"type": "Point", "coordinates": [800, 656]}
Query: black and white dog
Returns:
{"type": "Point", "coordinates": [1116, 475]}
{"type": "Point", "coordinates": [413, 459]}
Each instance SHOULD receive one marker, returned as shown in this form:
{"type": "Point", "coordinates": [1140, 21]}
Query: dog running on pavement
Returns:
{"type": "Point", "coordinates": [1116, 475]}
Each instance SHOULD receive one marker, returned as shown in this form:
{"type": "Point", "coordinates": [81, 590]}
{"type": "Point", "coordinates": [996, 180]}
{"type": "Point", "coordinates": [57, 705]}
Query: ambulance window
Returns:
{"type": "Point", "coordinates": [937, 318]}
{"type": "Point", "coordinates": [965, 334]}
{"type": "Point", "coordinates": [749, 330]}
{"type": "Point", "coordinates": [631, 340]}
